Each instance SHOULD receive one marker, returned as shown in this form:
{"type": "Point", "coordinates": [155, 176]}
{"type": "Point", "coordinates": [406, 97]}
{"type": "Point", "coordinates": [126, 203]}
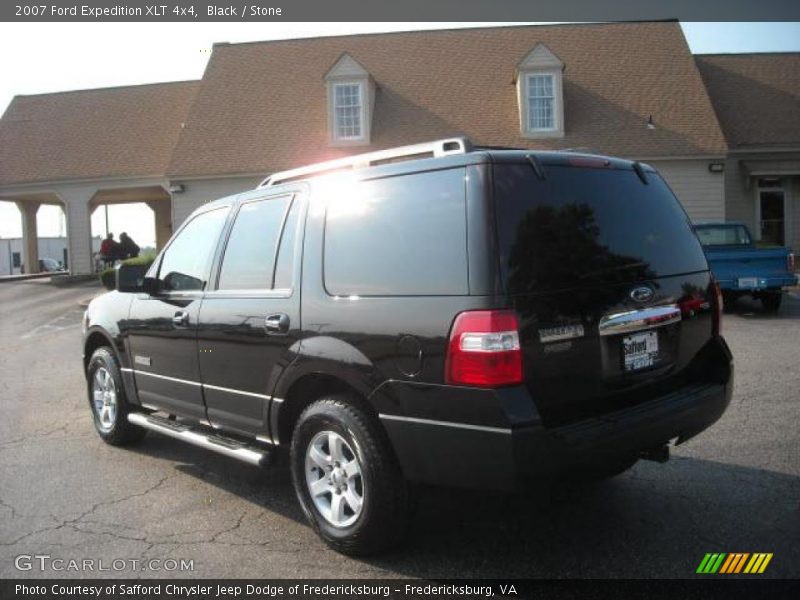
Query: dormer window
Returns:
{"type": "Point", "coordinates": [351, 96]}
{"type": "Point", "coordinates": [348, 110]}
{"type": "Point", "coordinates": [541, 102]}
{"type": "Point", "coordinates": [540, 94]}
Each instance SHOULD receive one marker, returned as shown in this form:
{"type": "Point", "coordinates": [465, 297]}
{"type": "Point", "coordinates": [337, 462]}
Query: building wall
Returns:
{"type": "Point", "coordinates": [740, 196]}
{"type": "Point", "coordinates": [199, 191]}
{"type": "Point", "coordinates": [49, 247]}
{"type": "Point", "coordinates": [701, 192]}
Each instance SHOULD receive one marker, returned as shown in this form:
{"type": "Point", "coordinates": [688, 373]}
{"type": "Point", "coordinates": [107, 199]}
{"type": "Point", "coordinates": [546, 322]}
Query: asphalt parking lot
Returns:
{"type": "Point", "coordinates": [66, 494]}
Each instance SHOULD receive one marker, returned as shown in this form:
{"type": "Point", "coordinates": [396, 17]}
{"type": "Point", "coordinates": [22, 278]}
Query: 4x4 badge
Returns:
{"type": "Point", "coordinates": [642, 294]}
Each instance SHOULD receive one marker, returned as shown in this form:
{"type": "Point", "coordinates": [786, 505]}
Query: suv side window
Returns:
{"type": "Point", "coordinates": [249, 259]}
{"type": "Point", "coordinates": [398, 236]}
{"type": "Point", "coordinates": [185, 264]}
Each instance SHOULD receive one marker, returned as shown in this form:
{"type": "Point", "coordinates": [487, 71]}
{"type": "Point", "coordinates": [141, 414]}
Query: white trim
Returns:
{"type": "Point", "coordinates": [175, 379]}
{"type": "Point", "coordinates": [445, 423]}
{"type": "Point", "coordinates": [232, 391]}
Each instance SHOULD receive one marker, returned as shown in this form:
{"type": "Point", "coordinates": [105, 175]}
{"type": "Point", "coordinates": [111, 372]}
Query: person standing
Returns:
{"type": "Point", "coordinates": [128, 248]}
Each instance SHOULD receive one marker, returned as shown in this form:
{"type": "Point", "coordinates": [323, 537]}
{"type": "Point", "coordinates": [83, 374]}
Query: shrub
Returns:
{"type": "Point", "coordinates": [108, 277]}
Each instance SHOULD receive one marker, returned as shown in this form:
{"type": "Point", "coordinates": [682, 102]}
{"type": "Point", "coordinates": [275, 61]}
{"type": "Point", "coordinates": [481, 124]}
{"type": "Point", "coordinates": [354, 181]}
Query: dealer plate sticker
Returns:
{"type": "Point", "coordinates": [640, 350]}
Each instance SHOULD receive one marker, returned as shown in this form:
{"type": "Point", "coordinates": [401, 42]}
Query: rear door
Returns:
{"type": "Point", "coordinates": [162, 329]}
{"type": "Point", "coordinates": [251, 318]}
{"type": "Point", "coordinates": [609, 280]}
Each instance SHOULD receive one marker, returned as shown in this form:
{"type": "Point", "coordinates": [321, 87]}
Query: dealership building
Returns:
{"type": "Point", "coordinates": [724, 130]}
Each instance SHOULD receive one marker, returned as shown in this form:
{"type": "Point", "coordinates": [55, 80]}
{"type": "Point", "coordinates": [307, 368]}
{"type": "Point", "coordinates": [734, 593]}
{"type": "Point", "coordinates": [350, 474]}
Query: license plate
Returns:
{"type": "Point", "coordinates": [639, 350]}
{"type": "Point", "coordinates": [748, 282]}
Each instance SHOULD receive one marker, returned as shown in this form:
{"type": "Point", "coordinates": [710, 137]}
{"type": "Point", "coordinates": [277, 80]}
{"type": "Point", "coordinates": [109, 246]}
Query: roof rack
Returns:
{"type": "Point", "coordinates": [457, 145]}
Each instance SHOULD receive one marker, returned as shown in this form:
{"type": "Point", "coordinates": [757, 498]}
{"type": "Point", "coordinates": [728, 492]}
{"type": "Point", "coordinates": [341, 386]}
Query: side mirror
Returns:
{"type": "Point", "coordinates": [151, 286]}
{"type": "Point", "coordinates": [130, 278]}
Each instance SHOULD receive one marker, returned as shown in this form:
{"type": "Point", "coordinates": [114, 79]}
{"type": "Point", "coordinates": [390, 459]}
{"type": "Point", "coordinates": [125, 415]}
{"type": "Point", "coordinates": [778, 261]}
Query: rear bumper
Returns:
{"type": "Point", "coordinates": [488, 455]}
{"type": "Point", "coordinates": [764, 284]}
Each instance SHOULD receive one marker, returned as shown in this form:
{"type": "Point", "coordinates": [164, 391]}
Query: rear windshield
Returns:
{"type": "Point", "coordinates": [723, 235]}
{"type": "Point", "coordinates": [582, 227]}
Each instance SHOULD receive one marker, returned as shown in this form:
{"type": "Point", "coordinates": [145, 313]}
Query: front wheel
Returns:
{"type": "Point", "coordinates": [771, 301]}
{"type": "Point", "coordinates": [347, 479]}
{"type": "Point", "coordinates": [108, 402]}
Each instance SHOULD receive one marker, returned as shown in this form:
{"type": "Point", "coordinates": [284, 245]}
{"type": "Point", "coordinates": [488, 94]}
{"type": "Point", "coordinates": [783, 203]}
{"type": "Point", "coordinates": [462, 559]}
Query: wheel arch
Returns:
{"type": "Point", "coordinates": [95, 339]}
{"type": "Point", "coordinates": [305, 390]}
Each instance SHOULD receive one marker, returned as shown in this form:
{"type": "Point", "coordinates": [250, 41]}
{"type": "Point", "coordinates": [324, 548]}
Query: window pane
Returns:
{"type": "Point", "coordinates": [285, 264]}
{"type": "Point", "coordinates": [398, 236]}
{"type": "Point", "coordinates": [580, 228]}
{"type": "Point", "coordinates": [186, 260]}
{"type": "Point", "coordinates": [347, 110]}
{"type": "Point", "coordinates": [250, 252]}
{"type": "Point", "coordinates": [541, 102]}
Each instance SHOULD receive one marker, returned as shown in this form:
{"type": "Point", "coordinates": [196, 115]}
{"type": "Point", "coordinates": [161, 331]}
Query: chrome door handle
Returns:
{"type": "Point", "coordinates": [277, 324]}
{"type": "Point", "coordinates": [181, 318]}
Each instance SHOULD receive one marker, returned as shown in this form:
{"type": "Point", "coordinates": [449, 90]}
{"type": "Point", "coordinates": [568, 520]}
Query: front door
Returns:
{"type": "Point", "coordinates": [162, 328]}
{"type": "Point", "coordinates": [251, 317]}
{"type": "Point", "coordinates": [772, 210]}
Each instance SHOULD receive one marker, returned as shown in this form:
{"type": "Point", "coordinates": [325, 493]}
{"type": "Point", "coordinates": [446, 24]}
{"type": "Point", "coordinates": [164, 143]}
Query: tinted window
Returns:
{"type": "Point", "coordinates": [250, 253]}
{"type": "Point", "coordinates": [723, 235]}
{"type": "Point", "coordinates": [186, 261]}
{"type": "Point", "coordinates": [398, 236]}
{"type": "Point", "coordinates": [285, 262]}
{"type": "Point", "coordinates": [581, 226]}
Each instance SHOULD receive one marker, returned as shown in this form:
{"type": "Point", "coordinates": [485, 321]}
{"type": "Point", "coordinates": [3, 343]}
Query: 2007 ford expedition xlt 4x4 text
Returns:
{"type": "Point", "coordinates": [464, 317]}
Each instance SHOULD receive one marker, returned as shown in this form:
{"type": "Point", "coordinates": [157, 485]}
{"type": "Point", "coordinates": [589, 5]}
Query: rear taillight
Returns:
{"type": "Point", "coordinates": [790, 262]}
{"type": "Point", "coordinates": [484, 349]}
{"type": "Point", "coordinates": [716, 324]}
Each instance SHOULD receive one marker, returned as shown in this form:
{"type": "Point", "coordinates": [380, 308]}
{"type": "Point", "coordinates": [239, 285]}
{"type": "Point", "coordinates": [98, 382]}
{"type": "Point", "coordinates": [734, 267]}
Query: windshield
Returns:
{"type": "Point", "coordinates": [584, 227]}
{"type": "Point", "coordinates": [723, 235]}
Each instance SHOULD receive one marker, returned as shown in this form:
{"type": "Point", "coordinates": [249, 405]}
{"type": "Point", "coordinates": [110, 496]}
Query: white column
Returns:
{"type": "Point", "coordinates": [30, 239]}
{"type": "Point", "coordinates": [79, 230]}
{"type": "Point", "coordinates": [163, 221]}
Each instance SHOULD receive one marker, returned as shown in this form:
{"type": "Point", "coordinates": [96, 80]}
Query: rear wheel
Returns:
{"type": "Point", "coordinates": [347, 479]}
{"type": "Point", "coordinates": [108, 402]}
{"type": "Point", "coordinates": [771, 301]}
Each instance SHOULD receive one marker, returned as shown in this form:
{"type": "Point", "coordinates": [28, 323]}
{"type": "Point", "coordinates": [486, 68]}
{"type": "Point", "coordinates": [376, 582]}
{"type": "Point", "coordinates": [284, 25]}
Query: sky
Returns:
{"type": "Point", "coordinates": [51, 57]}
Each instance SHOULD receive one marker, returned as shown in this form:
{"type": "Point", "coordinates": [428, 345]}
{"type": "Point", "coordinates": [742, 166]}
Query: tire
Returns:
{"type": "Point", "coordinates": [373, 497]}
{"type": "Point", "coordinates": [771, 301]}
{"type": "Point", "coordinates": [108, 402]}
{"type": "Point", "coordinates": [729, 301]}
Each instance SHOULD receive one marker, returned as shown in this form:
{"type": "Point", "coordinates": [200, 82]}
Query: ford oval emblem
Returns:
{"type": "Point", "coordinates": [642, 294]}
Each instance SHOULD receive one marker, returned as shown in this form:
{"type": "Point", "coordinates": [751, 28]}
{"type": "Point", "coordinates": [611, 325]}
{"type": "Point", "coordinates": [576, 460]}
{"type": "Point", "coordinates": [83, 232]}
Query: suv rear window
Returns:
{"type": "Point", "coordinates": [582, 226]}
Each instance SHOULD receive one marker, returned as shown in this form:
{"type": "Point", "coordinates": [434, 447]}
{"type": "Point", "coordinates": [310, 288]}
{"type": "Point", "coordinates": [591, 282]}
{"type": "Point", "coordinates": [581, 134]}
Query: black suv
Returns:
{"type": "Point", "coordinates": [434, 314]}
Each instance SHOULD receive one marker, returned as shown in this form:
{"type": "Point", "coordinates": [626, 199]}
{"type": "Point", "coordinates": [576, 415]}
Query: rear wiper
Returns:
{"type": "Point", "coordinates": [536, 164]}
{"type": "Point", "coordinates": [612, 269]}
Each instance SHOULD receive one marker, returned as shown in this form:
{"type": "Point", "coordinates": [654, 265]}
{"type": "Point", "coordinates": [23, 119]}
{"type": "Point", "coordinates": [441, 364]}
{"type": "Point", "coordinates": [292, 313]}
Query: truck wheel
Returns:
{"type": "Point", "coordinates": [107, 400]}
{"type": "Point", "coordinates": [771, 301]}
{"type": "Point", "coordinates": [729, 301]}
{"type": "Point", "coordinates": [347, 479]}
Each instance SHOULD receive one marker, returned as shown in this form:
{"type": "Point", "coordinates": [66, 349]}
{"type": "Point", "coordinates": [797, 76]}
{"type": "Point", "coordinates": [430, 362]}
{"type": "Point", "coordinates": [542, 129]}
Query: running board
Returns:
{"type": "Point", "coordinates": [205, 439]}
